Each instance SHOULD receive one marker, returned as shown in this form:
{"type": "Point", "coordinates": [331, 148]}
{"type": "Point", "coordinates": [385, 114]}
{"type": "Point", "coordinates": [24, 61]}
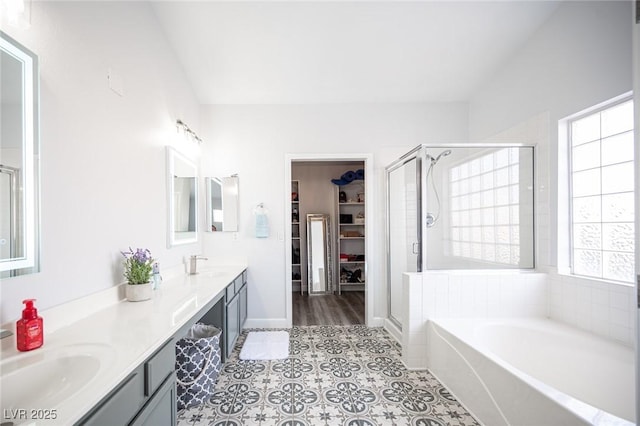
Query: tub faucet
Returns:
{"type": "Point", "coordinates": [193, 263]}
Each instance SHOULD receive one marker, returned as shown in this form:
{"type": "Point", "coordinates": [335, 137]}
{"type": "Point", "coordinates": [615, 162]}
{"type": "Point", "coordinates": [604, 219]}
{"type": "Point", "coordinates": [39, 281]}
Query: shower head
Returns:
{"type": "Point", "coordinates": [436, 159]}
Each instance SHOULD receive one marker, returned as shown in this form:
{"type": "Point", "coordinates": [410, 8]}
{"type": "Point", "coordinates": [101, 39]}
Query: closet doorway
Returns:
{"type": "Point", "coordinates": [327, 275]}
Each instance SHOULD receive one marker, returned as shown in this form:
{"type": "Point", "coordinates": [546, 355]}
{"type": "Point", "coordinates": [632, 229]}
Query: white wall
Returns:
{"type": "Point", "coordinates": [103, 155]}
{"type": "Point", "coordinates": [579, 58]}
{"type": "Point", "coordinates": [252, 140]}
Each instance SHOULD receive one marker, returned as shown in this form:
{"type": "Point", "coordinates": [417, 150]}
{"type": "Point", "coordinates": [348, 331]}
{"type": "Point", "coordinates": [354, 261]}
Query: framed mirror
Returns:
{"type": "Point", "coordinates": [222, 204]}
{"type": "Point", "coordinates": [319, 259]}
{"type": "Point", "coordinates": [19, 165]}
{"type": "Point", "coordinates": [182, 199]}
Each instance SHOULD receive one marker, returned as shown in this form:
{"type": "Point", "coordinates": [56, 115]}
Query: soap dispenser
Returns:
{"type": "Point", "coordinates": [29, 331]}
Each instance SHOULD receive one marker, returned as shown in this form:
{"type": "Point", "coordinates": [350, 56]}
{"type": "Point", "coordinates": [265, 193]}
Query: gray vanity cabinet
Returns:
{"type": "Point", "coordinates": [236, 312]}
{"type": "Point", "coordinates": [146, 397]}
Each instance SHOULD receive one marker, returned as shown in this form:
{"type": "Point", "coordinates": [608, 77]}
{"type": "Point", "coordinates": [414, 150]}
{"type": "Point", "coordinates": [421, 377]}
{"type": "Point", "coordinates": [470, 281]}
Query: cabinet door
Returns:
{"type": "Point", "coordinates": [161, 409]}
{"type": "Point", "coordinates": [243, 306]}
{"type": "Point", "coordinates": [233, 323]}
{"type": "Point", "coordinates": [123, 403]}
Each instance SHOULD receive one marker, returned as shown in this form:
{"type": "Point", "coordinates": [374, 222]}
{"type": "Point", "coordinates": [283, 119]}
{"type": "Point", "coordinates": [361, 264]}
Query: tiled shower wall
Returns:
{"type": "Point", "coordinates": [602, 308]}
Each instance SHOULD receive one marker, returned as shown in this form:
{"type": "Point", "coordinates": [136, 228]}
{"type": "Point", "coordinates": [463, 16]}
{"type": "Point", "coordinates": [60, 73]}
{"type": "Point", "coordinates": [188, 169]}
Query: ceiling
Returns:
{"type": "Point", "coordinates": [345, 52]}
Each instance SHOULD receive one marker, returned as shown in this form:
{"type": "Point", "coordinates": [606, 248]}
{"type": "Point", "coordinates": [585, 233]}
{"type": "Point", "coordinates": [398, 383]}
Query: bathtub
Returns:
{"type": "Point", "coordinates": [533, 372]}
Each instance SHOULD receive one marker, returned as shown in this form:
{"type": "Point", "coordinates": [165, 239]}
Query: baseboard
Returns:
{"type": "Point", "coordinates": [393, 330]}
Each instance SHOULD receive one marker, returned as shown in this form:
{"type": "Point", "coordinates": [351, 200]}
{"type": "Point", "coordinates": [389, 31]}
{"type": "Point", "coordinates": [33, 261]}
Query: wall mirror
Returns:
{"type": "Point", "coordinates": [19, 164]}
{"type": "Point", "coordinates": [182, 197]}
{"type": "Point", "coordinates": [222, 204]}
{"type": "Point", "coordinates": [319, 254]}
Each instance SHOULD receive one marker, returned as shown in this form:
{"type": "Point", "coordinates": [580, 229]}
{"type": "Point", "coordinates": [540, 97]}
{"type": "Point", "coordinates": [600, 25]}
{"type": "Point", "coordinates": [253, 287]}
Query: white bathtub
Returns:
{"type": "Point", "coordinates": [533, 372]}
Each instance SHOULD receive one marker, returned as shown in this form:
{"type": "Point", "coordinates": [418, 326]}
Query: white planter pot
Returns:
{"type": "Point", "coordinates": [138, 292]}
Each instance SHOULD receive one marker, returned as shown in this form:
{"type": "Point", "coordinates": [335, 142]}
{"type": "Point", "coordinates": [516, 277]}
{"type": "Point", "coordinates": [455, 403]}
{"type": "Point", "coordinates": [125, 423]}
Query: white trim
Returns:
{"type": "Point", "coordinates": [369, 224]}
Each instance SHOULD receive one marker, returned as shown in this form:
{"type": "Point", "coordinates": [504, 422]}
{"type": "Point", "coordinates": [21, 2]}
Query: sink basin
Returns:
{"type": "Point", "coordinates": [47, 377]}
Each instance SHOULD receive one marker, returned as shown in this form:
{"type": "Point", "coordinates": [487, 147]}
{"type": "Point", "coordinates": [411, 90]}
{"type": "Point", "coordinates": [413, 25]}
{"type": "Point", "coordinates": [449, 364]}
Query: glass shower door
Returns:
{"type": "Point", "coordinates": [403, 229]}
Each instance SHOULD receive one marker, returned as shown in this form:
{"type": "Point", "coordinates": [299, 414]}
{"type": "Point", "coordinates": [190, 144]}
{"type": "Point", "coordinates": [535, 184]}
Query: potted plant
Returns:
{"type": "Point", "coordinates": [138, 267]}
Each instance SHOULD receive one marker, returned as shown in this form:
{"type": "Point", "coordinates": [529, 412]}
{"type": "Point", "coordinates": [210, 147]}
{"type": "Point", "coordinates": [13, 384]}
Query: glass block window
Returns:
{"type": "Point", "coordinates": [602, 192]}
{"type": "Point", "coordinates": [485, 218]}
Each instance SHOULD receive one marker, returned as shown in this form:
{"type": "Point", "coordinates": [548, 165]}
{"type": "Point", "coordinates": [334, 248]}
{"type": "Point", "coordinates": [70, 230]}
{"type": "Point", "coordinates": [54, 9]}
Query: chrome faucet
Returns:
{"type": "Point", "coordinates": [193, 263]}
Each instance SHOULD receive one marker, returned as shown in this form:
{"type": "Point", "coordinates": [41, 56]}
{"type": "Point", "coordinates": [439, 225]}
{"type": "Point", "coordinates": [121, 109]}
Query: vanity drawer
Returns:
{"type": "Point", "coordinates": [244, 276]}
{"type": "Point", "coordinates": [159, 366]}
{"type": "Point", "coordinates": [231, 291]}
{"type": "Point", "coordinates": [238, 283]}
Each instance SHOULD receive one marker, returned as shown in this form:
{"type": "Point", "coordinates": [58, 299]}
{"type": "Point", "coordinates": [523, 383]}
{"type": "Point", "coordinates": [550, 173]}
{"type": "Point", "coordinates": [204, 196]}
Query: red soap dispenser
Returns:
{"type": "Point", "coordinates": [29, 331]}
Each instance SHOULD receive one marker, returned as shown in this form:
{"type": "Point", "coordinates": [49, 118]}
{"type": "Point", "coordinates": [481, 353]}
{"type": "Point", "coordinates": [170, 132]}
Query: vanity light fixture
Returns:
{"type": "Point", "coordinates": [187, 132]}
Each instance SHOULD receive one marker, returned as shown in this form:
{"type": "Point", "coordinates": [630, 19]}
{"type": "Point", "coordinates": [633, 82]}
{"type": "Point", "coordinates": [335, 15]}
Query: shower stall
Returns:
{"type": "Point", "coordinates": [458, 207]}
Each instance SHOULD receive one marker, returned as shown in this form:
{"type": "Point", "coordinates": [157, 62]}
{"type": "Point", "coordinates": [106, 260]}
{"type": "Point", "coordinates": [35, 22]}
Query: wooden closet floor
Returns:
{"type": "Point", "coordinates": [329, 309]}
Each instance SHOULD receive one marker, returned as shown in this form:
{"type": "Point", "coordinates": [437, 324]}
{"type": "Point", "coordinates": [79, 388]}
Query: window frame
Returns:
{"type": "Point", "coordinates": [597, 109]}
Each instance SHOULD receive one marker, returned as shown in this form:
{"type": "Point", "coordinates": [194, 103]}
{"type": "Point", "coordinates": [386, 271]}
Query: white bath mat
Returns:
{"type": "Point", "coordinates": [265, 345]}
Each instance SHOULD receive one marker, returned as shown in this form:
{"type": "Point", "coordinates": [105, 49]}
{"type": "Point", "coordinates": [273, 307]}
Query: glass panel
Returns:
{"type": "Point", "coordinates": [487, 163]}
{"type": "Point", "coordinates": [514, 155]}
{"type": "Point", "coordinates": [455, 173]}
{"type": "Point", "coordinates": [487, 207]}
{"type": "Point", "coordinates": [475, 184]}
{"type": "Point", "coordinates": [476, 234]}
{"type": "Point", "coordinates": [514, 215]}
{"type": "Point", "coordinates": [502, 234]}
{"type": "Point", "coordinates": [587, 236]}
{"type": "Point", "coordinates": [617, 207]}
{"type": "Point", "coordinates": [515, 235]}
{"type": "Point", "coordinates": [515, 255]}
{"type": "Point", "coordinates": [475, 167]}
{"type": "Point", "coordinates": [502, 158]}
{"type": "Point", "coordinates": [502, 177]}
{"type": "Point", "coordinates": [617, 149]}
{"type": "Point", "coordinates": [586, 156]}
{"type": "Point", "coordinates": [502, 196]}
{"type": "Point", "coordinates": [514, 174]}
{"type": "Point", "coordinates": [489, 252]}
{"type": "Point", "coordinates": [488, 217]}
{"type": "Point", "coordinates": [515, 194]}
{"type": "Point", "coordinates": [503, 254]}
{"type": "Point", "coordinates": [618, 266]}
{"type": "Point", "coordinates": [618, 178]}
{"type": "Point", "coordinates": [586, 209]}
{"type": "Point", "coordinates": [487, 198]}
{"type": "Point", "coordinates": [488, 234]}
{"type": "Point", "coordinates": [487, 180]}
{"type": "Point", "coordinates": [585, 130]}
{"type": "Point", "coordinates": [587, 262]}
{"type": "Point", "coordinates": [617, 119]}
{"type": "Point", "coordinates": [402, 199]}
{"type": "Point", "coordinates": [618, 236]}
{"type": "Point", "coordinates": [502, 215]}
{"type": "Point", "coordinates": [586, 183]}
{"type": "Point", "coordinates": [475, 200]}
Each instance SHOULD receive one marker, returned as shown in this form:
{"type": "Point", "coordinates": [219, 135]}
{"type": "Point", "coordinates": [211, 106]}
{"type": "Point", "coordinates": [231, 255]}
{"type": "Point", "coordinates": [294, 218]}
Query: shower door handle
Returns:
{"type": "Point", "coordinates": [415, 248]}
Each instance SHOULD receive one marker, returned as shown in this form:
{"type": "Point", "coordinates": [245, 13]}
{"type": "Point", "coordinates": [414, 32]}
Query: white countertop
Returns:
{"type": "Point", "coordinates": [124, 335]}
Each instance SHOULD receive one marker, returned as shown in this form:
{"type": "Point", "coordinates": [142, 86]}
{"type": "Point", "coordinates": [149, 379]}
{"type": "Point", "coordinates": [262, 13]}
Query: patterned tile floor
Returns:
{"type": "Point", "coordinates": [335, 375]}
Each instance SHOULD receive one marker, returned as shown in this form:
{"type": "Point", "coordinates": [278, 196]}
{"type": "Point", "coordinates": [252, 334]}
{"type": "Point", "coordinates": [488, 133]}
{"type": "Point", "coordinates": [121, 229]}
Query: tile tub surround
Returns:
{"type": "Point", "coordinates": [599, 307]}
{"type": "Point", "coordinates": [133, 331]}
{"type": "Point", "coordinates": [334, 375]}
{"type": "Point", "coordinates": [465, 294]}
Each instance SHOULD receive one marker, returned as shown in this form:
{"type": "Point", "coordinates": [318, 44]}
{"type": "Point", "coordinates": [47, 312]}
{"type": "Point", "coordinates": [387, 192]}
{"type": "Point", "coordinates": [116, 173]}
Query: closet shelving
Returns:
{"type": "Point", "coordinates": [351, 235]}
{"type": "Point", "coordinates": [296, 239]}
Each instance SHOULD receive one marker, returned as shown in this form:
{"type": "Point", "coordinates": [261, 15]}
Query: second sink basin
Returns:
{"type": "Point", "coordinates": [47, 377]}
